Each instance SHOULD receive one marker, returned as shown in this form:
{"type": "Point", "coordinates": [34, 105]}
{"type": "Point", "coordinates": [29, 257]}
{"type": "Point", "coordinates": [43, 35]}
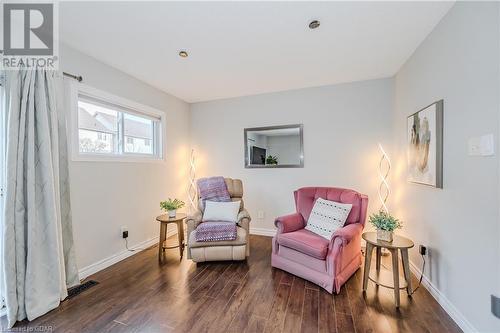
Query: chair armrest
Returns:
{"type": "Point", "coordinates": [193, 220]}
{"type": "Point", "coordinates": [244, 219]}
{"type": "Point", "coordinates": [289, 223]}
{"type": "Point", "coordinates": [347, 233]}
{"type": "Point", "coordinates": [243, 214]}
{"type": "Point", "coordinates": [343, 247]}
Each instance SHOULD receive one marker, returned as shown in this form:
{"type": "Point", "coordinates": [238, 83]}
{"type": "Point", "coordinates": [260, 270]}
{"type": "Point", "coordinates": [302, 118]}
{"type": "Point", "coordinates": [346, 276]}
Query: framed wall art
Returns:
{"type": "Point", "coordinates": [425, 146]}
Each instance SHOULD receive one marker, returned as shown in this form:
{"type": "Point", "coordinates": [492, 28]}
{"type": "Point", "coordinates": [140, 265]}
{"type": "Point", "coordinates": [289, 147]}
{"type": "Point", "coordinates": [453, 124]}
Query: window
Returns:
{"type": "Point", "coordinates": [138, 130]}
{"type": "Point", "coordinates": [109, 127]}
{"type": "Point", "coordinates": [97, 128]}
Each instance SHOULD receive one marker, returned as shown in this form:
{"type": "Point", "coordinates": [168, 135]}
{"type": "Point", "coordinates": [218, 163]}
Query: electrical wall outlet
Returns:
{"type": "Point", "coordinates": [422, 250]}
{"type": "Point", "coordinates": [124, 231]}
{"type": "Point", "coordinates": [260, 214]}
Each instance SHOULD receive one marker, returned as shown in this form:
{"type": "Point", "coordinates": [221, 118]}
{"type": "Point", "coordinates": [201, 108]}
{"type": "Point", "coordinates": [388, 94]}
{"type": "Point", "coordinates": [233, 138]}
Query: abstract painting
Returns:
{"type": "Point", "coordinates": [425, 146]}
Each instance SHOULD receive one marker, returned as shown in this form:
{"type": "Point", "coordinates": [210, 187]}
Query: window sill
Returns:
{"type": "Point", "coordinates": [123, 159]}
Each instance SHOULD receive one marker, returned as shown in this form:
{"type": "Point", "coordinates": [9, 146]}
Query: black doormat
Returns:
{"type": "Point", "coordinates": [72, 292]}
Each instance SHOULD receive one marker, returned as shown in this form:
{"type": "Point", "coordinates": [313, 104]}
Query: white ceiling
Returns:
{"type": "Point", "coordinates": [246, 48]}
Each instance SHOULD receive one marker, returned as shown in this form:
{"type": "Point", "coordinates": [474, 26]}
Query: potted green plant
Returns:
{"type": "Point", "coordinates": [272, 160]}
{"type": "Point", "coordinates": [171, 206]}
{"type": "Point", "coordinates": [385, 224]}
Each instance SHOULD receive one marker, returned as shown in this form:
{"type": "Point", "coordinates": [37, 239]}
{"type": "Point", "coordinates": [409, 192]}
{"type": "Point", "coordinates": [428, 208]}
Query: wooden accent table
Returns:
{"type": "Point", "coordinates": [164, 221]}
{"type": "Point", "coordinates": [382, 277]}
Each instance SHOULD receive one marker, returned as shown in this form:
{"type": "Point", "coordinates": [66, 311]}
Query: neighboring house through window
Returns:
{"type": "Point", "coordinates": [107, 126]}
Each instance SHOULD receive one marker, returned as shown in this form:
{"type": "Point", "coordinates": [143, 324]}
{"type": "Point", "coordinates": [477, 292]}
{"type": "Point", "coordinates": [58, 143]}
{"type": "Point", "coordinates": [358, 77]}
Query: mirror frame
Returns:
{"type": "Point", "coordinates": [257, 166]}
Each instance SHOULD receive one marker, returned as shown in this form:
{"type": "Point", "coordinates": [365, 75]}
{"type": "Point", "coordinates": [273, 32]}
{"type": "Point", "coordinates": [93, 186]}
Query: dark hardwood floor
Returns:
{"type": "Point", "coordinates": [141, 295]}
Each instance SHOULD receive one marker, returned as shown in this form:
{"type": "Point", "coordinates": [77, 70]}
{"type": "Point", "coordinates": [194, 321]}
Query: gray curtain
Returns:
{"type": "Point", "coordinates": [38, 252]}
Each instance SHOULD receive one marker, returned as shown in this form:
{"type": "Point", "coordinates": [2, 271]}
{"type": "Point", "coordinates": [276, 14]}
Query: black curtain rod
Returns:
{"type": "Point", "coordinates": [79, 78]}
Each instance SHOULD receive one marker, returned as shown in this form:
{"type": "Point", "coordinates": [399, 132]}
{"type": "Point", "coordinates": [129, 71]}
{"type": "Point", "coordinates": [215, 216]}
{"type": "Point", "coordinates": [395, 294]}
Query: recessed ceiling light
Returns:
{"type": "Point", "coordinates": [183, 54]}
{"type": "Point", "coordinates": [314, 24]}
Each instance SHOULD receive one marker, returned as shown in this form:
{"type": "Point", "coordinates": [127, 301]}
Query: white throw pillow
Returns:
{"type": "Point", "coordinates": [327, 216]}
{"type": "Point", "coordinates": [221, 211]}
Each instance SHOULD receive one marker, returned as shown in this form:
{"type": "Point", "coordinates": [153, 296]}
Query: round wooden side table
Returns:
{"type": "Point", "coordinates": [383, 277]}
{"type": "Point", "coordinates": [164, 221]}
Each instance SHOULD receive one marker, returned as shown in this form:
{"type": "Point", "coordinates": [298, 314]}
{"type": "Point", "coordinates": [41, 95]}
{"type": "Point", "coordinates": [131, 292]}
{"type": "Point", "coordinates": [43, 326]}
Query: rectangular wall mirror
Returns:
{"type": "Point", "coordinates": [274, 147]}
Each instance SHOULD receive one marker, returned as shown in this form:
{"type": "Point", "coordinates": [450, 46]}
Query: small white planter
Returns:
{"type": "Point", "coordinates": [172, 213]}
{"type": "Point", "coordinates": [384, 235]}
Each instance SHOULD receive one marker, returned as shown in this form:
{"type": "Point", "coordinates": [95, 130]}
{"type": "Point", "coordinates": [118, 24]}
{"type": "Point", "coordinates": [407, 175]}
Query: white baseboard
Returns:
{"type": "Point", "coordinates": [111, 260]}
{"type": "Point", "coordinates": [262, 232]}
{"type": "Point", "coordinates": [451, 309]}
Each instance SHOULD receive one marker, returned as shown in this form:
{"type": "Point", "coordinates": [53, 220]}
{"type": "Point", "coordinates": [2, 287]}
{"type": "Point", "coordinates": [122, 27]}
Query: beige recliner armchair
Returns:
{"type": "Point", "coordinates": [237, 249]}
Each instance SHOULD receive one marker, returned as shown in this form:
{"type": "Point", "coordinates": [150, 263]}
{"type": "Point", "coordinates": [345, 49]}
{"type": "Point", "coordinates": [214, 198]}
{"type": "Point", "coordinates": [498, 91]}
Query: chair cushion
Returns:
{"type": "Point", "coordinates": [306, 197]}
{"type": "Point", "coordinates": [306, 242]}
{"type": "Point", "coordinates": [327, 217]}
{"type": "Point", "coordinates": [241, 239]}
{"type": "Point", "coordinates": [221, 211]}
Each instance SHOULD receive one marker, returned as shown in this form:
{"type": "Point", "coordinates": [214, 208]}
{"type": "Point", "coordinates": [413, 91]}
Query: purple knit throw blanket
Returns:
{"type": "Point", "coordinates": [213, 189]}
{"type": "Point", "coordinates": [215, 231]}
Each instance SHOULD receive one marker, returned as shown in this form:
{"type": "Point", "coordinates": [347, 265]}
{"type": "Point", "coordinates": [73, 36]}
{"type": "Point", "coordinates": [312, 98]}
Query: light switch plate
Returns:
{"type": "Point", "coordinates": [487, 145]}
{"type": "Point", "coordinates": [482, 145]}
{"type": "Point", "coordinates": [474, 146]}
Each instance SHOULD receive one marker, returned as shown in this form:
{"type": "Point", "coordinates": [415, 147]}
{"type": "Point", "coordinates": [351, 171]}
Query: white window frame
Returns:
{"type": "Point", "coordinates": [123, 105]}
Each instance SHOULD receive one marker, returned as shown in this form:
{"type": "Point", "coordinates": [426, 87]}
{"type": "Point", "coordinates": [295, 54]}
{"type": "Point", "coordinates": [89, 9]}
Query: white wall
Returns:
{"type": "Point", "coordinates": [342, 125]}
{"type": "Point", "coordinates": [285, 147]}
{"type": "Point", "coordinates": [257, 140]}
{"type": "Point", "coordinates": [458, 62]}
{"type": "Point", "coordinates": [107, 195]}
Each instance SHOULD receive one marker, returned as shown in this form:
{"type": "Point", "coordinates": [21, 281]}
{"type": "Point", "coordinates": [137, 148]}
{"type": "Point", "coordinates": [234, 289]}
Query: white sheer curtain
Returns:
{"type": "Point", "coordinates": [3, 175]}
{"type": "Point", "coordinates": [38, 252]}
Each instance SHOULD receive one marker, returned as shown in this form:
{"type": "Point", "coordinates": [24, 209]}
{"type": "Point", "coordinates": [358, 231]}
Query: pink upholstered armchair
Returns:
{"type": "Point", "coordinates": [327, 263]}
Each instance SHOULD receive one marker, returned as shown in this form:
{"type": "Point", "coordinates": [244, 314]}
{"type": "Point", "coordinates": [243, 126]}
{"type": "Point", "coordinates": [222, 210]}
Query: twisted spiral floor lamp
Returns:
{"type": "Point", "coordinates": [192, 183]}
{"type": "Point", "coordinates": [384, 167]}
